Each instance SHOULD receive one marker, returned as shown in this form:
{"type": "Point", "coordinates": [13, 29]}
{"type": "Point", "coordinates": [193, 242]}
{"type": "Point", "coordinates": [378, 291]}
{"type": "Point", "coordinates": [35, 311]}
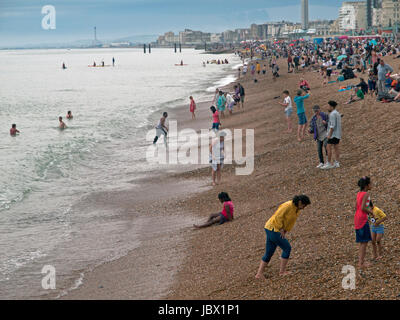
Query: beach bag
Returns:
{"type": "Point", "coordinates": [340, 78]}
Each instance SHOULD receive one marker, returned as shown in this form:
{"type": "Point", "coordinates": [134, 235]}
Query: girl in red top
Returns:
{"type": "Point", "coordinates": [192, 107]}
{"type": "Point", "coordinates": [224, 216]}
{"type": "Point", "coordinates": [361, 225]}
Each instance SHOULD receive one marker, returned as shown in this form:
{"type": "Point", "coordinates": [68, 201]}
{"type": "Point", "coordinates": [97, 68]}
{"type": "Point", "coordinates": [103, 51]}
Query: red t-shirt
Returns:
{"type": "Point", "coordinates": [361, 217]}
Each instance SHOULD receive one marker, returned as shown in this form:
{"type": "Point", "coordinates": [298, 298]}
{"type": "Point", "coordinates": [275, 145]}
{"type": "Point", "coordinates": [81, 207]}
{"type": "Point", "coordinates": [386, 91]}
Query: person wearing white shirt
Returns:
{"type": "Point", "coordinates": [230, 102]}
{"type": "Point", "coordinates": [287, 103]}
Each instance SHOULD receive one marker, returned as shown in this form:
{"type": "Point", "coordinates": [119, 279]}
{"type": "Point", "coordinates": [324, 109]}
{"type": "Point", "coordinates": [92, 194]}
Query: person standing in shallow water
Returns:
{"type": "Point", "coordinates": [62, 125]}
{"type": "Point", "coordinates": [14, 130]}
{"type": "Point", "coordinates": [192, 107]}
{"type": "Point", "coordinates": [276, 229]}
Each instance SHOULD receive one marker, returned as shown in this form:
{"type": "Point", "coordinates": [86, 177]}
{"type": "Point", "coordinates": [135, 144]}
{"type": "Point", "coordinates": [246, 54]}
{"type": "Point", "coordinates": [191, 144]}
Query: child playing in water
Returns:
{"type": "Point", "coordinates": [62, 124]}
{"type": "Point", "coordinates": [377, 231]}
{"type": "Point", "coordinates": [361, 225]}
{"type": "Point", "coordinates": [14, 130]}
{"type": "Point", "coordinates": [224, 216]}
{"type": "Point", "coordinates": [192, 107]}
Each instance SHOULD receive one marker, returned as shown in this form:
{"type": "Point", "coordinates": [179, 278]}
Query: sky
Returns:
{"type": "Point", "coordinates": [21, 20]}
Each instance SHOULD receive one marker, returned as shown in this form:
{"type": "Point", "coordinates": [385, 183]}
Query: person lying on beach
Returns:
{"type": "Point", "coordinates": [13, 130]}
{"type": "Point", "coordinates": [69, 115]}
{"type": "Point", "coordinates": [62, 124]}
{"type": "Point", "coordinates": [224, 216]}
{"type": "Point", "coordinates": [276, 228]}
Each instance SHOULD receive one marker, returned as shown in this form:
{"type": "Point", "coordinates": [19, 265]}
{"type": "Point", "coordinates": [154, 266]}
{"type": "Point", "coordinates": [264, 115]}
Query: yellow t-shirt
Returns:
{"type": "Point", "coordinates": [378, 214]}
{"type": "Point", "coordinates": [283, 218]}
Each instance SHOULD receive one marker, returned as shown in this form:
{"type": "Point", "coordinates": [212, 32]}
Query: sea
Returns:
{"type": "Point", "coordinates": [46, 172]}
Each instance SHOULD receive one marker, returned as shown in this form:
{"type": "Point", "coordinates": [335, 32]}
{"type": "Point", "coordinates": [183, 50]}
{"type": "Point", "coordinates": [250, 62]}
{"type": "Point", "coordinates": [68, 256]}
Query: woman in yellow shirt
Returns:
{"type": "Point", "coordinates": [276, 228]}
{"type": "Point", "coordinates": [377, 231]}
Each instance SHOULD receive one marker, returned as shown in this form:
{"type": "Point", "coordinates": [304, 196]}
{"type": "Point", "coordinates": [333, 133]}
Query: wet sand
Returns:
{"type": "Point", "coordinates": [220, 262]}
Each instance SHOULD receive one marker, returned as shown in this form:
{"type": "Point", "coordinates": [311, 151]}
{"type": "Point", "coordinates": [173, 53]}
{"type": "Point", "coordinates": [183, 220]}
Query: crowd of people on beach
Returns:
{"type": "Point", "coordinates": [347, 60]}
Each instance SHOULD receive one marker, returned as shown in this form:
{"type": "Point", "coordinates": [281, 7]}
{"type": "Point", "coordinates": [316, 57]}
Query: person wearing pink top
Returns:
{"type": "Point", "coordinates": [192, 107]}
{"type": "Point", "coordinates": [304, 85]}
{"type": "Point", "coordinates": [361, 224]}
{"type": "Point", "coordinates": [216, 123]}
{"type": "Point", "coordinates": [224, 216]}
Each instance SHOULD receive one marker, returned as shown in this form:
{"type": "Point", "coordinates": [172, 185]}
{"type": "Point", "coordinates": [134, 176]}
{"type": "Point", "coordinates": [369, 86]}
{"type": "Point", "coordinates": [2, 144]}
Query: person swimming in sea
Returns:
{"type": "Point", "coordinates": [62, 124]}
{"type": "Point", "coordinates": [63, 66]}
{"type": "Point", "coordinates": [69, 115]}
{"type": "Point", "coordinates": [181, 62]}
{"type": "Point", "coordinates": [14, 130]}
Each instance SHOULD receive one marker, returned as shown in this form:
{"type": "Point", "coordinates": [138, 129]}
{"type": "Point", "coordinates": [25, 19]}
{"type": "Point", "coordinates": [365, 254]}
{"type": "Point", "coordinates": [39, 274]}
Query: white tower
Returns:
{"type": "Point", "coordinates": [304, 14]}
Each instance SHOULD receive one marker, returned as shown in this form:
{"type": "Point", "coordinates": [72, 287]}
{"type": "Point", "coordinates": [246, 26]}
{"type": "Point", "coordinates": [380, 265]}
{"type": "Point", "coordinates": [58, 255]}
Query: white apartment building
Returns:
{"type": "Point", "coordinates": [352, 16]}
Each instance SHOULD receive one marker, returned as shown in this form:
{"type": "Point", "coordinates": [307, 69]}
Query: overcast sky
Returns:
{"type": "Point", "coordinates": [21, 20]}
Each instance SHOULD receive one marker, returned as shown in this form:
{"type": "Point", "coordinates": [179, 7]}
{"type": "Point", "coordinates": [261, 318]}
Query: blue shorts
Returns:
{"type": "Point", "coordinates": [371, 85]}
{"type": "Point", "coordinates": [215, 125]}
{"type": "Point", "coordinates": [302, 118]}
{"type": "Point", "coordinates": [363, 234]}
{"type": "Point", "coordinates": [288, 112]}
{"type": "Point", "coordinates": [378, 230]}
{"type": "Point", "coordinates": [222, 219]}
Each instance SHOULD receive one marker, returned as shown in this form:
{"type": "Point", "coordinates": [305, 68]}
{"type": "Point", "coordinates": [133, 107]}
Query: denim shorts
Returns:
{"type": "Point", "coordinates": [363, 234]}
{"type": "Point", "coordinates": [302, 118]}
{"type": "Point", "coordinates": [288, 112]}
{"type": "Point", "coordinates": [378, 230]}
{"type": "Point", "coordinates": [215, 125]}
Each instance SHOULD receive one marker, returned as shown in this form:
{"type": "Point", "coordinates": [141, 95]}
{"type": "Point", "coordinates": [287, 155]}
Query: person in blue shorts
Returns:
{"type": "Point", "coordinates": [301, 114]}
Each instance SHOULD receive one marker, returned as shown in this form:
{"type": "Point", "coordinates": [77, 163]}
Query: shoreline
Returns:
{"type": "Point", "coordinates": [175, 222]}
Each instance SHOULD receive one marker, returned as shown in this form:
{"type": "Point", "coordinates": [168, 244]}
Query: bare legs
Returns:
{"type": "Point", "coordinates": [301, 129]}
{"type": "Point", "coordinates": [361, 255]}
{"type": "Point", "coordinates": [377, 248]}
{"type": "Point", "coordinates": [216, 175]}
{"type": "Point", "coordinates": [282, 269]}
{"type": "Point", "coordinates": [289, 124]}
{"type": "Point", "coordinates": [213, 219]}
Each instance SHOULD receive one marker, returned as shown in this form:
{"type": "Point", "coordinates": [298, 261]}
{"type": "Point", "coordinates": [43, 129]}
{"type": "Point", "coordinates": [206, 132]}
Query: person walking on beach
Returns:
{"type": "Point", "coordinates": [301, 114]}
{"type": "Point", "coordinates": [242, 94]}
{"type": "Point", "coordinates": [334, 136]}
{"type": "Point", "coordinates": [377, 231]}
{"type": "Point", "coordinates": [224, 216]}
{"type": "Point", "coordinates": [287, 103]}
{"type": "Point", "coordinates": [221, 104]}
{"type": "Point", "coordinates": [230, 102]}
{"type": "Point", "coordinates": [361, 225]}
{"type": "Point", "coordinates": [318, 127]}
{"type": "Point", "coordinates": [276, 228]}
{"type": "Point", "coordinates": [62, 125]}
{"type": "Point", "coordinates": [383, 69]}
{"type": "Point", "coordinates": [216, 96]}
{"type": "Point", "coordinates": [14, 130]}
{"type": "Point", "coordinates": [258, 68]}
{"type": "Point", "coordinates": [192, 107]}
{"type": "Point", "coordinates": [162, 129]}
{"type": "Point", "coordinates": [217, 149]}
{"type": "Point", "coordinates": [113, 61]}
{"type": "Point", "coordinates": [215, 115]}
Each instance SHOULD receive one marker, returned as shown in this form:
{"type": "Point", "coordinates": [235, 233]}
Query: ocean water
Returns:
{"type": "Point", "coordinates": [46, 174]}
